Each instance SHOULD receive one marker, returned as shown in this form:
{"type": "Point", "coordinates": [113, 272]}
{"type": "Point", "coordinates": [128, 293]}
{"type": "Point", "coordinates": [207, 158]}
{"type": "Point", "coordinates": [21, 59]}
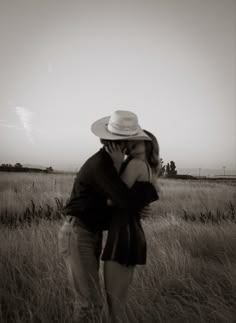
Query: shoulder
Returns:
{"type": "Point", "coordinates": [96, 160]}
{"type": "Point", "coordinates": [93, 165]}
{"type": "Point", "coordinates": [136, 165]}
{"type": "Point", "coordinates": [135, 162]}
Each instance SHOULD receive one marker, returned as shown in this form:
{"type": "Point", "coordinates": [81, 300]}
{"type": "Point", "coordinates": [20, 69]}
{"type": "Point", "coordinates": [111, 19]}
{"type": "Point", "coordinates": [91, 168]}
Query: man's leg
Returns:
{"type": "Point", "coordinates": [82, 261]}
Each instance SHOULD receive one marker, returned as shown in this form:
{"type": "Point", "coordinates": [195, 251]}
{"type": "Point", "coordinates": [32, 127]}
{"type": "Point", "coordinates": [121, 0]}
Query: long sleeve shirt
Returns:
{"type": "Point", "coordinates": [98, 181]}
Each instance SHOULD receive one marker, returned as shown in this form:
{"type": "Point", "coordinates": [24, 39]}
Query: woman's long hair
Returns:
{"type": "Point", "coordinates": [152, 153]}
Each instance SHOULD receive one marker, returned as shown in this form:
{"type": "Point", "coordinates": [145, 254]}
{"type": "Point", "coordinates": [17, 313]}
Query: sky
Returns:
{"type": "Point", "coordinates": [66, 63]}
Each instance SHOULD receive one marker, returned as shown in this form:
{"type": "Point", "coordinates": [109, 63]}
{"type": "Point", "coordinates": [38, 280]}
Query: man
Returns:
{"type": "Point", "coordinates": [87, 211]}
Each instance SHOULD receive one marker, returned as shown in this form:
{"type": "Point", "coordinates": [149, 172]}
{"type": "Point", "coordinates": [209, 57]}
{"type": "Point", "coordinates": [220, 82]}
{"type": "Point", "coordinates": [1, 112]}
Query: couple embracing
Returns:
{"type": "Point", "coordinates": [109, 193]}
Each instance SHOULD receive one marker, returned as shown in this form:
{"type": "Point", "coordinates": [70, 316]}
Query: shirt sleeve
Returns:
{"type": "Point", "coordinates": [107, 182]}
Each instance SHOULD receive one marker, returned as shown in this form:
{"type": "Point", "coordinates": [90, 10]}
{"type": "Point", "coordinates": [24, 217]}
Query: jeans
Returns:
{"type": "Point", "coordinates": [81, 251]}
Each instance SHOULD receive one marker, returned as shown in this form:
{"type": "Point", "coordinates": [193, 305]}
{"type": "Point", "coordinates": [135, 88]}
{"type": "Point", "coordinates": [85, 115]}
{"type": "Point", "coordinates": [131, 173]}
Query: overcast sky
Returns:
{"type": "Point", "coordinates": [65, 64]}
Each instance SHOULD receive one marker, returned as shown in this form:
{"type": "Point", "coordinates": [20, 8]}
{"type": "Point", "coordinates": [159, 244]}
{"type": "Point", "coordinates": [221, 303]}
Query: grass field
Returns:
{"type": "Point", "coordinates": [190, 275]}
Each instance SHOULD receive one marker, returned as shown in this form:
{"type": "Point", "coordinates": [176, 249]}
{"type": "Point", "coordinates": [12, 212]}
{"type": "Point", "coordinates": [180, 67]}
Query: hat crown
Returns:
{"type": "Point", "coordinates": [123, 123]}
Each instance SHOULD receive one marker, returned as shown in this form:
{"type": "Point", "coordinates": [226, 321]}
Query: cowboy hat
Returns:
{"type": "Point", "coordinates": [121, 125]}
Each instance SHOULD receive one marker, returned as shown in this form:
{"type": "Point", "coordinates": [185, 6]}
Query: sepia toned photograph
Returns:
{"type": "Point", "coordinates": [118, 161]}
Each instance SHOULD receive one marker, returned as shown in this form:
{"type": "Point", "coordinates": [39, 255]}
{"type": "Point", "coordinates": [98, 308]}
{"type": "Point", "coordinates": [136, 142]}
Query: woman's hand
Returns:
{"type": "Point", "coordinates": [117, 154]}
{"type": "Point", "coordinates": [146, 212]}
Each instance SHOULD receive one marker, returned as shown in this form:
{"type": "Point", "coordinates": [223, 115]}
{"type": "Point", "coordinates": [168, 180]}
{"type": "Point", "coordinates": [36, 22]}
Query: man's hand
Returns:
{"type": "Point", "coordinates": [117, 154]}
{"type": "Point", "coordinates": [156, 184]}
{"type": "Point", "coordinates": [146, 212]}
{"type": "Point", "coordinates": [109, 202]}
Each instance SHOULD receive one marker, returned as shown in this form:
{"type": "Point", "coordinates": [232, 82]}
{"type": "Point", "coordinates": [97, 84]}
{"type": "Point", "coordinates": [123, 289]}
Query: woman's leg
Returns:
{"type": "Point", "coordinates": [117, 279]}
{"type": "Point", "coordinates": [80, 250]}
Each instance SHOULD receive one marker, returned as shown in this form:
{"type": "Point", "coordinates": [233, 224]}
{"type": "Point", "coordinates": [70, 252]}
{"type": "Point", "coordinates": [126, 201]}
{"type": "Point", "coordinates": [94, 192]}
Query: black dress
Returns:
{"type": "Point", "coordinates": [126, 242]}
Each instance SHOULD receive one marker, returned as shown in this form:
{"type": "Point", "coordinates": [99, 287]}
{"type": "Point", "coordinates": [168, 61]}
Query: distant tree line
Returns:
{"type": "Point", "coordinates": [169, 169]}
{"type": "Point", "coordinates": [18, 167]}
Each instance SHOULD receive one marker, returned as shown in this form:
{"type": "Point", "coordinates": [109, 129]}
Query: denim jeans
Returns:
{"type": "Point", "coordinates": [81, 251]}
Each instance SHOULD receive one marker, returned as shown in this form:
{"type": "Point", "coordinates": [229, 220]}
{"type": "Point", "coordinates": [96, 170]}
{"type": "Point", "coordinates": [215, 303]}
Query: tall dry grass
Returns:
{"type": "Point", "coordinates": [193, 196]}
{"type": "Point", "coordinates": [18, 189]}
{"type": "Point", "coordinates": [190, 275]}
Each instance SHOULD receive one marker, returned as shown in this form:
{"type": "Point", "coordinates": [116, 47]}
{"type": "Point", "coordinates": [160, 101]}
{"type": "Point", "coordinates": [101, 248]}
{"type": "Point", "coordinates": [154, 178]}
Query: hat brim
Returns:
{"type": "Point", "coordinates": [99, 129]}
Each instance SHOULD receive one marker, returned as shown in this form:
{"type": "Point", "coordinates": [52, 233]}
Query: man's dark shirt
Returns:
{"type": "Point", "coordinates": [98, 181]}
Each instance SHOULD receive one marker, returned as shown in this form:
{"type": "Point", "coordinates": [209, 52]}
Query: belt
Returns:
{"type": "Point", "coordinates": [76, 221]}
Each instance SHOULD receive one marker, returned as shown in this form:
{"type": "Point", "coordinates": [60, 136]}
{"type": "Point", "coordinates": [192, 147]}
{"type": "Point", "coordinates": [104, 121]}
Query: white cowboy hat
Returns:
{"type": "Point", "coordinates": [121, 125]}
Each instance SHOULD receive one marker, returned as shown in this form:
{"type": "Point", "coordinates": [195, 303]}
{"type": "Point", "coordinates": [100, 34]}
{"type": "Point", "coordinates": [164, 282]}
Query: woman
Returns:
{"type": "Point", "coordinates": [126, 244]}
